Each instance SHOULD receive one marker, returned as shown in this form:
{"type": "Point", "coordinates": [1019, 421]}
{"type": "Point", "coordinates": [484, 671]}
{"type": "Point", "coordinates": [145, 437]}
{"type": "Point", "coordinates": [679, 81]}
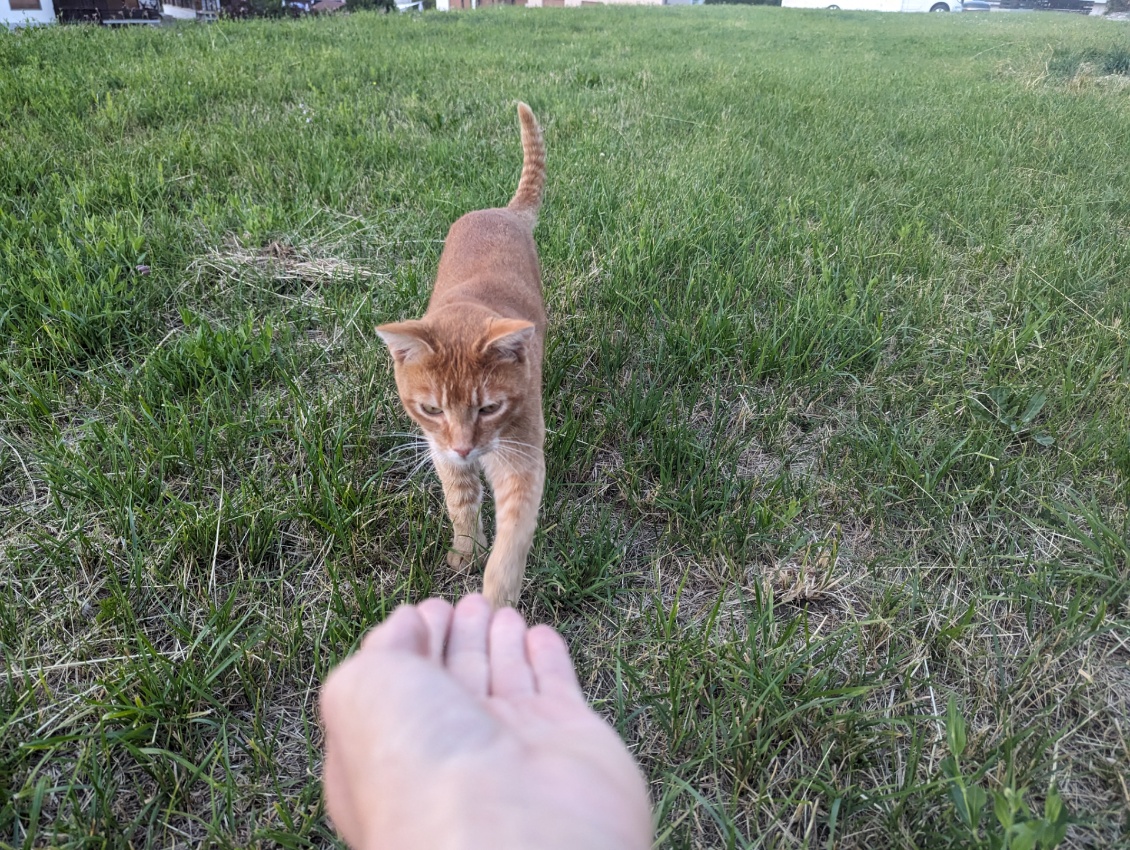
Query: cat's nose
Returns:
{"type": "Point", "coordinates": [462, 452]}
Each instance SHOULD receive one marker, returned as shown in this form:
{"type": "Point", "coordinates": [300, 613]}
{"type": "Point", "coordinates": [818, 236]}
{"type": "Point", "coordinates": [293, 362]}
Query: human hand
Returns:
{"type": "Point", "coordinates": [461, 728]}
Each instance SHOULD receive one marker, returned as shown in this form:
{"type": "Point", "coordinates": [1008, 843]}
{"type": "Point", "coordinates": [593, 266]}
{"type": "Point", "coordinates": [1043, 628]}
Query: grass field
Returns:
{"type": "Point", "coordinates": [838, 384]}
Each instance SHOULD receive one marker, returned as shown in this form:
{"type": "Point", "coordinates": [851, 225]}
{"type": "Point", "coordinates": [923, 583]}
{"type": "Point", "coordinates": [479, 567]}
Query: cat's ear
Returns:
{"type": "Point", "coordinates": [406, 341]}
{"type": "Point", "coordinates": [508, 339]}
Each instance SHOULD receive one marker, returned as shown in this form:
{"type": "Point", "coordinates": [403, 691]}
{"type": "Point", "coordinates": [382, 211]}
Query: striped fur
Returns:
{"type": "Point", "coordinates": [531, 185]}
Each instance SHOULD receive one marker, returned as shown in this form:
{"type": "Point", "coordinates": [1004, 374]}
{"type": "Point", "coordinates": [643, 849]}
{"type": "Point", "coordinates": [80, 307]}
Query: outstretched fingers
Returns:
{"type": "Point", "coordinates": [404, 630]}
{"type": "Point", "coordinates": [553, 670]}
{"type": "Point", "coordinates": [437, 614]}
{"type": "Point", "coordinates": [510, 671]}
{"type": "Point", "coordinates": [466, 653]}
{"type": "Point", "coordinates": [488, 652]}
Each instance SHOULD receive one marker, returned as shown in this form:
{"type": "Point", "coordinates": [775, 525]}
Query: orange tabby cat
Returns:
{"type": "Point", "coordinates": [469, 372]}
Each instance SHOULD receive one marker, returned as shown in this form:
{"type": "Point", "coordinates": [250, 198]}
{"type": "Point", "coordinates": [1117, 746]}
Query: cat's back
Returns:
{"type": "Point", "coordinates": [492, 254]}
{"type": "Point", "coordinates": [490, 235]}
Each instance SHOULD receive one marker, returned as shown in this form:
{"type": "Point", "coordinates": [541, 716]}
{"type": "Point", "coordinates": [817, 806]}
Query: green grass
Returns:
{"type": "Point", "coordinates": [838, 384]}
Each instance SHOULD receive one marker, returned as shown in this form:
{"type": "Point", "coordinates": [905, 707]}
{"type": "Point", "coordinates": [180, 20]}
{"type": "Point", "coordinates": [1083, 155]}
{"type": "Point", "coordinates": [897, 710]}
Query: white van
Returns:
{"type": "Point", "coordinates": [878, 5]}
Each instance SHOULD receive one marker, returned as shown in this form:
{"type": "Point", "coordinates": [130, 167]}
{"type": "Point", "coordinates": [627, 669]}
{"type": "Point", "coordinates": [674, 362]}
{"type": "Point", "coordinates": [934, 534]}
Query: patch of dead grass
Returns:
{"type": "Point", "coordinates": [279, 261]}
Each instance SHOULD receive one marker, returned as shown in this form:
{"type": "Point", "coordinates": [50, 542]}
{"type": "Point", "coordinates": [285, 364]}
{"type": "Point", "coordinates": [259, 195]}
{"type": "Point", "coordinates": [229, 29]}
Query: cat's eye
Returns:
{"type": "Point", "coordinates": [430, 411]}
{"type": "Point", "coordinates": [488, 409]}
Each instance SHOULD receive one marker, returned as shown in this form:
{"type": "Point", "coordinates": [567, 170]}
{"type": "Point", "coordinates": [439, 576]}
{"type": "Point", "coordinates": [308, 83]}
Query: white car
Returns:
{"type": "Point", "coordinates": [877, 5]}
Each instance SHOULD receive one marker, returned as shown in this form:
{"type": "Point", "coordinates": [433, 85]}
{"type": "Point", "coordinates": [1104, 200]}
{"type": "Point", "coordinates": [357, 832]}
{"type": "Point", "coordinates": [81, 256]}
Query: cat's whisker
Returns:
{"type": "Point", "coordinates": [515, 460]}
{"type": "Point", "coordinates": [404, 448]}
{"type": "Point", "coordinates": [426, 462]}
{"type": "Point", "coordinates": [510, 465]}
{"type": "Point", "coordinates": [414, 471]}
{"type": "Point", "coordinates": [411, 435]}
{"type": "Point", "coordinates": [414, 452]}
{"type": "Point", "coordinates": [503, 441]}
{"type": "Point", "coordinates": [401, 452]}
{"type": "Point", "coordinates": [525, 450]}
{"type": "Point", "coordinates": [499, 449]}
{"type": "Point", "coordinates": [519, 466]}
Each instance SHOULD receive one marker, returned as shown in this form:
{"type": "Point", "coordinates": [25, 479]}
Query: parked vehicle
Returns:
{"type": "Point", "coordinates": [878, 5]}
{"type": "Point", "coordinates": [1083, 7]}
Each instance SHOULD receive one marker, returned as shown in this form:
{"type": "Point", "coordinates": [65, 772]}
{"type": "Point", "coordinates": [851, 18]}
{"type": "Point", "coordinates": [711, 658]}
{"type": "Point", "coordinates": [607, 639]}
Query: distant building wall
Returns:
{"type": "Point", "coordinates": [448, 5]}
{"type": "Point", "coordinates": [185, 10]}
{"type": "Point", "coordinates": [603, 2]}
{"type": "Point", "coordinates": [445, 5]}
{"type": "Point", "coordinates": [19, 13]}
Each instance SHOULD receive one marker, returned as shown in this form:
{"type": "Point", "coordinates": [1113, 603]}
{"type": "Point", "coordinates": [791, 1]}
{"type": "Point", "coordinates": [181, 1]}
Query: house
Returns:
{"type": "Point", "coordinates": [109, 12]}
{"type": "Point", "coordinates": [204, 10]}
{"type": "Point", "coordinates": [445, 5]}
{"type": "Point", "coordinates": [179, 10]}
{"type": "Point", "coordinates": [596, 2]}
{"type": "Point", "coordinates": [448, 5]}
{"type": "Point", "coordinates": [19, 13]}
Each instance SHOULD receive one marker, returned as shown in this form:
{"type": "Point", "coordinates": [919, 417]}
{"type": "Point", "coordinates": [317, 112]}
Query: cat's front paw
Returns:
{"type": "Point", "coordinates": [500, 598]}
{"type": "Point", "coordinates": [463, 551]}
{"type": "Point", "coordinates": [501, 586]}
{"type": "Point", "coordinates": [460, 560]}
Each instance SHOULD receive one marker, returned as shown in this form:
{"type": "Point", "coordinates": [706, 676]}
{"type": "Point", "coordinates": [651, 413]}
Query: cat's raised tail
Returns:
{"type": "Point", "coordinates": [527, 199]}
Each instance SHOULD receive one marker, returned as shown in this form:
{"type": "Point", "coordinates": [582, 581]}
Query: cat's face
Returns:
{"type": "Point", "coordinates": [462, 390]}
